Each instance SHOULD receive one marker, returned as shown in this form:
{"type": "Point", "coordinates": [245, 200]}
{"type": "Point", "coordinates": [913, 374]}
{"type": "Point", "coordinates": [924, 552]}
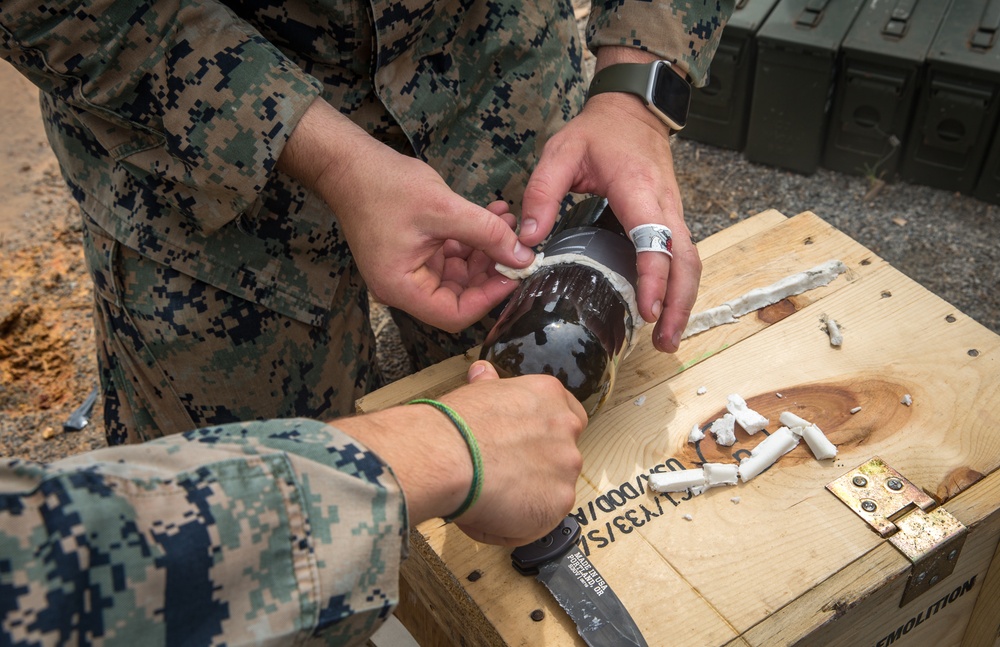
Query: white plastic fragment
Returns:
{"type": "Point", "coordinates": [524, 272]}
{"type": "Point", "coordinates": [855, 410]}
{"type": "Point", "coordinates": [677, 481]}
{"type": "Point", "coordinates": [717, 474]}
{"type": "Point", "coordinates": [724, 430]}
{"type": "Point", "coordinates": [758, 298]}
{"type": "Point", "coordinates": [778, 395]}
{"type": "Point", "coordinates": [907, 400]}
{"type": "Point", "coordinates": [702, 390]}
{"type": "Point", "coordinates": [767, 452]}
{"type": "Point", "coordinates": [695, 434]}
{"type": "Point", "coordinates": [833, 330]}
{"type": "Point", "coordinates": [641, 400]}
{"type": "Point", "coordinates": [688, 517]}
{"type": "Point", "coordinates": [750, 420]}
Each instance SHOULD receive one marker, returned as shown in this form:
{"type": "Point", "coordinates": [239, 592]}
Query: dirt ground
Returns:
{"type": "Point", "coordinates": [47, 361]}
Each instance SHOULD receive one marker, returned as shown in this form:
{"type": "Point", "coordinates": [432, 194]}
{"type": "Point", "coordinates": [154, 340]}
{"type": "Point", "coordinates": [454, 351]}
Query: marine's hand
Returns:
{"type": "Point", "coordinates": [526, 428]}
{"type": "Point", "coordinates": [618, 149]}
{"type": "Point", "coordinates": [528, 434]}
{"type": "Point", "coordinates": [419, 246]}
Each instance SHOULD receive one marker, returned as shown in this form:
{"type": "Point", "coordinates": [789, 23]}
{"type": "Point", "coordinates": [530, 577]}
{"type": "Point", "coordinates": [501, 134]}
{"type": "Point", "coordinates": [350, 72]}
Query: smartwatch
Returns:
{"type": "Point", "coordinates": [666, 93]}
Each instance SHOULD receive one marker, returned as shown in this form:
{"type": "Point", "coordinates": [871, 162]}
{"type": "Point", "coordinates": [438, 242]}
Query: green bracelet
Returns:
{"type": "Point", "coordinates": [476, 487]}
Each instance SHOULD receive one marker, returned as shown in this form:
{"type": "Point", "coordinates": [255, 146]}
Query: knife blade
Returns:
{"type": "Point", "coordinates": [81, 417]}
{"type": "Point", "coordinates": [556, 561]}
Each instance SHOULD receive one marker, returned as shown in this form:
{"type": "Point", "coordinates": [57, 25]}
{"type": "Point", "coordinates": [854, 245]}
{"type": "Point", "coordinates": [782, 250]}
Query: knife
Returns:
{"type": "Point", "coordinates": [556, 561]}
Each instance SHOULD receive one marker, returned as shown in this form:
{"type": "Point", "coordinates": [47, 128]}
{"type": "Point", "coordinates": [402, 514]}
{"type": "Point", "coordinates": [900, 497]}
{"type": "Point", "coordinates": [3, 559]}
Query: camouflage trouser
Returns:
{"type": "Point", "coordinates": [176, 354]}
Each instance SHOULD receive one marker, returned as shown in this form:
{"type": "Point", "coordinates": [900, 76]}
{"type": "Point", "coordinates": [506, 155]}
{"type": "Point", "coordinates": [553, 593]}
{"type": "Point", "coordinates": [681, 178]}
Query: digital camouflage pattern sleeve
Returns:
{"type": "Point", "coordinates": [687, 32]}
{"type": "Point", "coordinates": [278, 532]}
{"type": "Point", "coordinates": [184, 91]}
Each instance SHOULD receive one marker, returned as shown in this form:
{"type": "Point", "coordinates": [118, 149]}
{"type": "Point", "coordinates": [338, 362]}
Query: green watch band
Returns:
{"type": "Point", "coordinates": [623, 77]}
{"type": "Point", "coordinates": [665, 92]}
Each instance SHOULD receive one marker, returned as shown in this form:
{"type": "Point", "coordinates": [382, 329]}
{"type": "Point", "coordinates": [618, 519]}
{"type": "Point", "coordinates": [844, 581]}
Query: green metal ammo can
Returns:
{"type": "Point", "coordinates": [958, 105]}
{"type": "Point", "coordinates": [719, 111]}
{"type": "Point", "coordinates": [882, 61]}
{"type": "Point", "coordinates": [796, 65]}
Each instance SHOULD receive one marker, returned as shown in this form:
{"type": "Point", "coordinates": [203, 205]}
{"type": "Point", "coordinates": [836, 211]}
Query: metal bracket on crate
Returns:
{"type": "Point", "coordinates": [931, 539]}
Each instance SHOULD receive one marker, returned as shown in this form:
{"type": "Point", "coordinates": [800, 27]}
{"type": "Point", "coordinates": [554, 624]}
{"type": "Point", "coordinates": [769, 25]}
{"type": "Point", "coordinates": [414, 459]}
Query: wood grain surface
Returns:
{"type": "Point", "coordinates": [778, 560]}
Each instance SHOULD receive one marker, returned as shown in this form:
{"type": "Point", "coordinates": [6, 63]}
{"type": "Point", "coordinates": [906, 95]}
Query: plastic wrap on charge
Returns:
{"type": "Point", "coordinates": [575, 318]}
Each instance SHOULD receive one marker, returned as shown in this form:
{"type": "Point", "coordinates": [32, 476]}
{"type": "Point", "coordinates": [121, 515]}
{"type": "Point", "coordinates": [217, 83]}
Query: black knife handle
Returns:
{"type": "Point", "coordinates": [527, 559]}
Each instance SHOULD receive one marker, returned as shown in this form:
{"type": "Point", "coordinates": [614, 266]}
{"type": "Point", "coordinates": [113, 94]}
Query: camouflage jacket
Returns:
{"type": "Point", "coordinates": [168, 116]}
{"type": "Point", "coordinates": [281, 532]}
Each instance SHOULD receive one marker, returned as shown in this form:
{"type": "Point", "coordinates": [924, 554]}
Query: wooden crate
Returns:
{"type": "Point", "coordinates": [780, 560]}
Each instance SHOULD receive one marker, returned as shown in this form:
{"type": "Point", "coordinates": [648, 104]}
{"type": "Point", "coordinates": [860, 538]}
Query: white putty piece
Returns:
{"type": "Point", "coordinates": [750, 420]}
{"type": "Point", "coordinates": [778, 395]}
{"type": "Point", "coordinates": [677, 481]}
{"type": "Point", "coordinates": [641, 400]}
{"type": "Point", "coordinates": [791, 420]}
{"type": "Point", "coordinates": [819, 444]}
{"type": "Point", "coordinates": [736, 499]}
{"type": "Point", "coordinates": [717, 474]}
{"type": "Point", "coordinates": [724, 430]}
{"type": "Point", "coordinates": [789, 286]}
{"type": "Point", "coordinates": [833, 330]}
{"type": "Point", "coordinates": [907, 400]}
{"type": "Point", "coordinates": [855, 410]}
{"type": "Point", "coordinates": [698, 489]}
{"type": "Point", "coordinates": [701, 390]}
{"type": "Point", "coordinates": [524, 272]}
{"type": "Point", "coordinates": [688, 517]}
{"type": "Point", "coordinates": [695, 434]}
{"type": "Point", "coordinates": [758, 298]}
{"type": "Point", "coordinates": [702, 321]}
{"type": "Point", "coordinates": [767, 453]}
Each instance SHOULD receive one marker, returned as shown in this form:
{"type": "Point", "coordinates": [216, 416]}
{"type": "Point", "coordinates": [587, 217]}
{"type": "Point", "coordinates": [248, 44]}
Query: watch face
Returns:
{"type": "Point", "coordinates": [672, 95]}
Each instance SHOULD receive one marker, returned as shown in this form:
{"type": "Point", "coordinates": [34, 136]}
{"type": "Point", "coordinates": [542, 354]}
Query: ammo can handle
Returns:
{"type": "Point", "coordinates": [899, 17]}
{"type": "Point", "coordinates": [989, 25]}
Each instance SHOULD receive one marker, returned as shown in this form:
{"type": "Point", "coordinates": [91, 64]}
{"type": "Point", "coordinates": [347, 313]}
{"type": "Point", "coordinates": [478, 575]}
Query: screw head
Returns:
{"type": "Point", "coordinates": [537, 615]}
{"type": "Point", "coordinates": [868, 505]}
{"type": "Point", "coordinates": [859, 481]}
{"type": "Point", "coordinates": [894, 484]}
{"type": "Point", "coordinates": [921, 577]}
{"type": "Point", "coordinates": [953, 554]}
{"type": "Point", "coordinates": [934, 580]}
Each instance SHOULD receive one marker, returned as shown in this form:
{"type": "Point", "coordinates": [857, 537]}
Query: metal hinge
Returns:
{"type": "Point", "coordinates": [931, 538]}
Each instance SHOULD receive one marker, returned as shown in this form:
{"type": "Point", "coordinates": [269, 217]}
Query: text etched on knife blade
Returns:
{"type": "Point", "coordinates": [585, 573]}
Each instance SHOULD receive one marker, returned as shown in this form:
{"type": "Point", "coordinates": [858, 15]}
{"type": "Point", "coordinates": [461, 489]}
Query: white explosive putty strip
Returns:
{"type": "Point", "coordinates": [758, 298]}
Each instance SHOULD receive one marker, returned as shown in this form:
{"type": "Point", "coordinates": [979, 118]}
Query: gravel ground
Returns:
{"type": "Point", "coordinates": [946, 242]}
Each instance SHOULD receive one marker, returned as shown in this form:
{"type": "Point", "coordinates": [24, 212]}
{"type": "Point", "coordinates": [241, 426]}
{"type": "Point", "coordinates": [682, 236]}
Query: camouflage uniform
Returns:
{"type": "Point", "coordinates": [168, 118]}
{"type": "Point", "coordinates": [281, 532]}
